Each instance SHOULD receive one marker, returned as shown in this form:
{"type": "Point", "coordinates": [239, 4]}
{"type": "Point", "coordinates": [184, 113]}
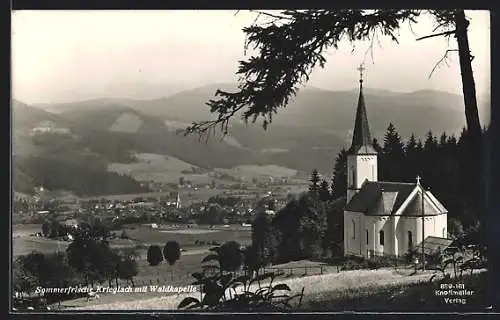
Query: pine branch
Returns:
{"type": "Point", "coordinates": [445, 33]}
{"type": "Point", "coordinates": [444, 58]}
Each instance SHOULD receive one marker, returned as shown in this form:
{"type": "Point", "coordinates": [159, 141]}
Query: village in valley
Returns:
{"type": "Point", "coordinates": [383, 218]}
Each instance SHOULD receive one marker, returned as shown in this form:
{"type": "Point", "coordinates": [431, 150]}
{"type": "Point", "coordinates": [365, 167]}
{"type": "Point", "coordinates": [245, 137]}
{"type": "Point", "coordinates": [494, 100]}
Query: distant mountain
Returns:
{"type": "Point", "coordinates": [307, 134]}
{"type": "Point", "coordinates": [47, 152]}
{"type": "Point", "coordinates": [329, 110]}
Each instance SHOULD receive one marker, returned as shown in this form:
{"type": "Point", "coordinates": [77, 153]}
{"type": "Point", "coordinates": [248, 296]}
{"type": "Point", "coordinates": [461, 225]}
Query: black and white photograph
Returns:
{"type": "Point", "coordinates": [250, 160]}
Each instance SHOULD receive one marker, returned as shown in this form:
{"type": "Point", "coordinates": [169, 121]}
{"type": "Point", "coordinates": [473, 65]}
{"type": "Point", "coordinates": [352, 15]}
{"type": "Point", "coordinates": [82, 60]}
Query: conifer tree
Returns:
{"type": "Point", "coordinates": [411, 145]}
{"type": "Point", "coordinates": [324, 191]}
{"type": "Point", "coordinates": [339, 180]}
{"type": "Point", "coordinates": [315, 180]}
{"type": "Point", "coordinates": [430, 143]}
{"type": "Point", "coordinates": [393, 153]}
{"type": "Point", "coordinates": [411, 162]}
{"type": "Point", "coordinates": [377, 146]}
{"type": "Point", "coordinates": [443, 140]}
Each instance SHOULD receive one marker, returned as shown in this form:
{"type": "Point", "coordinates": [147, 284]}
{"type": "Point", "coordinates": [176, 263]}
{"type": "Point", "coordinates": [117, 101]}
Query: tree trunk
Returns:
{"type": "Point", "coordinates": [468, 85]}
{"type": "Point", "coordinates": [476, 148]}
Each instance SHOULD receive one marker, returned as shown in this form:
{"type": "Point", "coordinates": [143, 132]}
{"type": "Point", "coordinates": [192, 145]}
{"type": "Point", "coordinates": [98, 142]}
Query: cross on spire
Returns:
{"type": "Point", "coordinates": [418, 179]}
{"type": "Point", "coordinates": [361, 69]}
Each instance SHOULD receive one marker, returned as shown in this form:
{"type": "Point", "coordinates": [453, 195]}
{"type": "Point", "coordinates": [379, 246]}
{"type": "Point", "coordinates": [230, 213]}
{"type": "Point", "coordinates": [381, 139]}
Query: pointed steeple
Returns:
{"type": "Point", "coordinates": [361, 138]}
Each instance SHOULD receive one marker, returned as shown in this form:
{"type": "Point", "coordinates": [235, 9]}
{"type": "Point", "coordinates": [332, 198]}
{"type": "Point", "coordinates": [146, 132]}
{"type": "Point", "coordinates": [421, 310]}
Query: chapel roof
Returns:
{"type": "Point", "coordinates": [386, 198]}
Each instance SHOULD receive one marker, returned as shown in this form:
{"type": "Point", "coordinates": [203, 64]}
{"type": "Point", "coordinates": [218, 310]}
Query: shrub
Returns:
{"type": "Point", "coordinates": [172, 252]}
{"type": "Point", "coordinates": [154, 255]}
{"type": "Point", "coordinates": [217, 287]}
{"type": "Point", "coordinates": [380, 262]}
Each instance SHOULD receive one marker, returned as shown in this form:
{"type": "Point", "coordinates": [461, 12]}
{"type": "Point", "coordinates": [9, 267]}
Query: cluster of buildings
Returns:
{"type": "Point", "coordinates": [165, 208]}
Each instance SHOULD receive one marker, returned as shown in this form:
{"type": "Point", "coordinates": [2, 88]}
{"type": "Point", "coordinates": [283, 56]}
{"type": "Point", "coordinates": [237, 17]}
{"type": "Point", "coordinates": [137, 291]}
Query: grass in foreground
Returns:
{"type": "Point", "coordinates": [408, 297]}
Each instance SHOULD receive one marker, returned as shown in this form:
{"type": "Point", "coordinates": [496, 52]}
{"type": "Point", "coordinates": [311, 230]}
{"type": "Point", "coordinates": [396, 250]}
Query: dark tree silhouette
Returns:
{"type": "Point", "coordinates": [230, 256]}
{"type": "Point", "coordinates": [292, 43]}
{"type": "Point", "coordinates": [46, 228]}
{"type": "Point", "coordinates": [172, 252]}
{"type": "Point", "coordinates": [393, 149]}
{"type": "Point", "coordinates": [154, 255]}
{"type": "Point", "coordinates": [127, 269]}
{"type": "Point", "coordinates": [315, 180]}
{"type": "Point", "coordinates": [324, 191]}
{"type": "Point", "coordinates": [339, 180]}
{"type": "Point", "coordinates": [261, 242]}
{"type": "Point", "coordinates": [377, 146]}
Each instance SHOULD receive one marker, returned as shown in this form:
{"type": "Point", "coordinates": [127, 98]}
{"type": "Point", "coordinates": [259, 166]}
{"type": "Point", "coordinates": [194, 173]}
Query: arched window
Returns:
{"type": "Point", "coordinates": [381, 236]}
{"type": "Point", "coordinates": [444, 233]}
{"type": "Point", "coordinates": [353, 178]}
{"type": "Point", "coordinates": [353, 229]}
{"type": "Point", "coordinates": [373, 172]}
{"type": "Point", "coordinates": [367, 239]}
{"type": "Point", "coordinates": [410, 240]}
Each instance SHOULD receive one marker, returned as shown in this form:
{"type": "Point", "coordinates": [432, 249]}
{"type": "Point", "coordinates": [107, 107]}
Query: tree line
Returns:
{"type": "Point", "coordinates": [58, 174]}
{"type": "Point", "coordinates": [88, 260]}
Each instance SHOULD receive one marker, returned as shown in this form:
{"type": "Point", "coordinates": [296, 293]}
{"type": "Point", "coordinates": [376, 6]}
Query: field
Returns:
{"type": "Point", "coordinates": [187, 237]}
{"type": "Point", "coordinates": [161, 168]}
{"type": "Point", "coordinates": [140, 238]}
{"type": "Point", "coordinates": [250, 171]}
{"type": "Point", "coordinates": [187, 196]}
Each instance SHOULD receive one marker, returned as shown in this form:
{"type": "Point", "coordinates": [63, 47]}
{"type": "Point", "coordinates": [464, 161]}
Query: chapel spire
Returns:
{"type": "Point", "coordinates": [361, 138]}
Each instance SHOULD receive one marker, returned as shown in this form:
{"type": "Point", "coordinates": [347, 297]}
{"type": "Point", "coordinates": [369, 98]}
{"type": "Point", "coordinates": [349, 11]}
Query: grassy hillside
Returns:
{"type": "Point", "coordinates": [59, 161]}
{"type": "Point", "coordinates": [56, 174]}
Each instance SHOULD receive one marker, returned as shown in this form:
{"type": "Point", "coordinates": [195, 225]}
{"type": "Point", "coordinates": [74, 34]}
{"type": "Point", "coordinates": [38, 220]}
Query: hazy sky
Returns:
{"type": "Point", "coordinates": [71, 55]}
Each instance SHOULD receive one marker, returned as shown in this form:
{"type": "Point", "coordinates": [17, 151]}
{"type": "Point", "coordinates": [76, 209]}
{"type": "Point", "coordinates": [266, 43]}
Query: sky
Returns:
{"type": "Point", "coordinates": [75, 55]}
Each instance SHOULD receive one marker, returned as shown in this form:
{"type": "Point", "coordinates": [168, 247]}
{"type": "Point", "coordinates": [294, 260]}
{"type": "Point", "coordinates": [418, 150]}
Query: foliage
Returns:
{"type": "Point", "coordinates": [61, 174]}
{"type": "Point", "coordinates": [339, 180]}
{"type": "Point", "coordinates": [261, 238]}
{"type": "Point", "coordinates": [224, 201]}
{"type": "Point", "coordinates": [289, 48]}
{"type": "Point", "coordinates": [127, 268]}
{"type": "Point", "coordinates": [302, 226]}
{"type": "Point", "coordinates": [393, 148]}
{"type": "Point", "coordinates": [226, 291]}
{"type": "Point", "coordinates": [324, 191]}
{"type": "Point", "coordinates": [23, 280]}
{"type": "Point", "coordinates": [229, 256]}
{"type": "Point", "coordinates": [212, 215]}
{"type": "Point", "coordinates": [315, 181]}
{"type": "Point", "coordinates": [46, 228]}
{"type": "Point", "coordinates": [172, 252]}
{"type": "Point", "coordinates": [88, 259]}
{"type": "Point", "coordinates": [463, 259]}
{"type": "Point", "coordinates": [154, 255]}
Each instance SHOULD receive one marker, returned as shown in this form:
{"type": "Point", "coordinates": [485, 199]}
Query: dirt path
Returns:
{"type": "Point", "coordinates": [313, 285]}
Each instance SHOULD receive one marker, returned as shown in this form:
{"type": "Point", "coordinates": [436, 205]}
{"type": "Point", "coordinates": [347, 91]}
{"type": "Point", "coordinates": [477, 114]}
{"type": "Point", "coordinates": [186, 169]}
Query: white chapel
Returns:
{"type": "Point", "coordinates": [383, 217]}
